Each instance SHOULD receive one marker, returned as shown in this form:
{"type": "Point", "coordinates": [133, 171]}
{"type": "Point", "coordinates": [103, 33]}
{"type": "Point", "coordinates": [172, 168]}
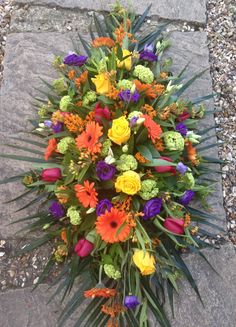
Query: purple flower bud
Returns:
{"type": "Point", "coordinates": [131, 301]}
{"type": "Point", "coordinates": [102, 206]}
{"type": "Point", "coordinates": [187, 197]}
{"type": "Point", "coordinates": [57, 128]}
{"type": "Point", "coordinates": [127, 96]}
{"type": "Point", "coordinates": [105, 171]}
{"type": "Point", "coordinates": [181, 168]}
{"type": "Point", "coordinates": [152, 208]}
{"type": "Point", "coordinates": [73, 59]}
{"type": "Point", "coordinates": [181, 128]}
{"type": "Point", "coordinates": [149, 47]}
{"type": "Point", "coordinates": [56, 210]}
{"type": "Point", "coordinates": [48, 123]}
{"type": "Point", "coordinates": [133, 121]}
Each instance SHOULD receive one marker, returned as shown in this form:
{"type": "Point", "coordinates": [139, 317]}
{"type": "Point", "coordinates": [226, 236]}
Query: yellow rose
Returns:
{"type": "Point", "coordinates": [119, 131]}
{"type": "Point", "coordinates": [145, 262]}
{"type": "Point", "coordinates": [127, 63]}
{"type": "Point", "coordinates": [129, 183]}
{"type": "Point", "coordinates": [102, 83]}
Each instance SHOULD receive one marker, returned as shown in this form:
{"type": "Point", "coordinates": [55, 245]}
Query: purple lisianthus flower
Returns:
{"type": "Point", "coordinates": [181, 128]}
{"type": "Point", "coordinates": [127, 96]}
{"type": "Point", "coordinates": [181, 168]}
{"type": "Point", "coordinates": [72, 59]}
{"type": "Point", "coordinates": [131, 301]}
{"type": "Point", "coordinates": [133, 121]}
{"type": "Point", "coordinates": [56, 210]}
{"type": "Point", "coordinates": [152, 208]}
{"type": "Point", "coordinates": [187, 197]}
{"type": "Point", "coordinates": [57, 128]}
{"type": "Point", "coordinates": [105, 171]}
{"type": "Point", "coordinates": [102, 206]}
{"type": "Point", "coordinates": [48, 123]}
{"type": "Point", "coordinates": [148, 56]}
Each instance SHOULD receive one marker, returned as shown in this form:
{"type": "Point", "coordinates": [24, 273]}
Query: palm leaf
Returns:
{"type": "Point", "coordinates": [189, 82]}
{"type": "Point", "coordinates": [140, 20]}
{"type": "Point", "coordinates": [85, 45]}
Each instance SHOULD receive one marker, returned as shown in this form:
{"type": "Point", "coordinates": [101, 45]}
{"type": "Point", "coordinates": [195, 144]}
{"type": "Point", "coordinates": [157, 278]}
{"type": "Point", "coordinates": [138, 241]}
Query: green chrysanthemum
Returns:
{"type": "Point", "coordinates": [105, 148]}
{"type": "Point", "coordinates": [149, 189]}
{"type": "Point", "coordinates": [111, 272]}
{"type": "Point", "coordinates": [125, 84]}
{"type": "Point", "coordinates": [65, 102]}
{"type": "Point", "coordinates": [126, 162]}
{"type": "Point", "coordinates": [59, 85]}
{"type": "Point", "coordinates": [64, 144]}
{"type": "Point", "coordinates": [74, 215]}
{"type": "Point", "coordinates": [144, 74]}
{"type": "Point", "coordinates": [90, 96]}
{"type": "Point", "coordinates": [174, 141]}
{"type": "Point", "coordinates": [188, 180]}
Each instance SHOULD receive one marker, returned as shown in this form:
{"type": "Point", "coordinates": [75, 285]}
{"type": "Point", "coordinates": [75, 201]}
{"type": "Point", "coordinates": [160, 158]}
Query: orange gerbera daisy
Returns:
{"type": "Point", "coordinates": [108, 224]}
{"type": "Point", "coordinates": [103, 41]}
{"type": "Point", "coordinates": [89, 138]}
{"type": "Point", "coordinates": [154, 130]}
{"type": "Point", "coordinates": [100, 292]}
{"type": "Point", "coordinates": [50, 149]}
{"type": "Point", "coordinates": [86, 194]}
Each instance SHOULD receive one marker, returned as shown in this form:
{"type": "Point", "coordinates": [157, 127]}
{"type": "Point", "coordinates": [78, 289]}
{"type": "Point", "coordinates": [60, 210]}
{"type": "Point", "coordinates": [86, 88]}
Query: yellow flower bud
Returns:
{"type": "Point", "coordinates": [144, 261]}
{"type": "Point", "coordinates": [127, 63]}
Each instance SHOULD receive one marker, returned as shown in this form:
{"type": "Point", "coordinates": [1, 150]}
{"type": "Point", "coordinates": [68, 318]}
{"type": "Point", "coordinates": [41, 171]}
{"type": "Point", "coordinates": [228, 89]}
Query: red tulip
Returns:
{"type": "Point", "coordinates": [185, 115]}
{"type": "Point", "coordinates": [83, 248]}
{"type": "Point", "coordinates": [165, 169]}
{"type": "Point", "coordinates": [51, 174]}
{"type": "Point", "coordinates": [101, 113]}
{"type": "Point", "coordinates": [174, 225]}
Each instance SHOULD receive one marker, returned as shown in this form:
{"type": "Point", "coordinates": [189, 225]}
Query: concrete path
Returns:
{"type": "Point", "coordinates": [41, 28]}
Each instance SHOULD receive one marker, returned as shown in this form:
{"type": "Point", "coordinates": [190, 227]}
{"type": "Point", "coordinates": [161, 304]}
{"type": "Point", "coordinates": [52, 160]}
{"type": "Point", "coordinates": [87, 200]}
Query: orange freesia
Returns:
{"type": "Point", "coordinates": [108, 224]}
{"type": "Point", "coordinates": [89, 139]}
{"type": "Point", "coordinates": [192, 153]}
{"type": "Point", "coordinates": [100, 292]}
{"type": "Point", "coordinates": [82, 79]}
{"type": "Point", "coordinates": [86, 194]}
{"type": "Point", "coordinates": [51, 148]}
{"type": "Point", "coordinates": [151, 91]}
{"type": "Point", "coordinates": [103, 41]}
{"type": "Point", "coordinates": [154, 130]}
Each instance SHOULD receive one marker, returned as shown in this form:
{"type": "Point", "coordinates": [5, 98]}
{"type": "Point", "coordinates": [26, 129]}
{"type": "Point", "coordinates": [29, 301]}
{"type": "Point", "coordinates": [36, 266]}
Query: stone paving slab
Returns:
{"type": "Point", "coordinates": [165, 9]}
{"type": "Point", "coordinates": [23, 308]}
{"type": "Point", "coordinates": [32, 54]}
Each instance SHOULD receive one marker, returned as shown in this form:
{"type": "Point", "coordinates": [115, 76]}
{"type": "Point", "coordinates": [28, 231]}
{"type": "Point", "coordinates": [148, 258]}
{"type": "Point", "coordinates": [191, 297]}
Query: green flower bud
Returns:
{"type": "Point", "coordinates": [65, 102]}
{"type": "Point", "coordinates": [144, 74]}
{"type": "Point", "coordinates": [111, 272]}
{"type": "Point", "coordinates": [125, 148]}
{"type": "Point", "coordinates": [174, 141]}
{"type": "Point", "coordinates": [105, 148]}
{"type": "Point", "coordinates": [126, 162]}
{"type": "Point", "coordinates": [135, 114]}
{"type": "Point", "coordinates": [57, 62]}
{"type": "Point", "coordinates": [43, 111]}
{"type": "Point", "coordinates": [64, 144]}
{"type": "Point", "coordinates": [149, 189]}
{"type": "Point", "coordinates": [90, 96]}
{"type": "Point", "coordinates": [194, 138]}
{"type": "Point", "coordinates": [60, 252]}
{"type": "Point", "coordinates": [59, 85]}
{"type": "Point", "coordinates": [125, 84]}
{"type": "Point", "coordinates": [102, 66]}
{"type": "Point", "coordinates": [74, 215]}
{"type": "Point", "coordinates": [188, 180]}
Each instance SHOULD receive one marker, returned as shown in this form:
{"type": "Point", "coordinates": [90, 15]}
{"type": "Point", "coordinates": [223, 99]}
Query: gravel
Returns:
{"type": "Point", "coordinates": [24, 270]}
{"type": "Point", "coordinates": [221, 28]}
{"type": "Point", "coordinates": [5, 16]}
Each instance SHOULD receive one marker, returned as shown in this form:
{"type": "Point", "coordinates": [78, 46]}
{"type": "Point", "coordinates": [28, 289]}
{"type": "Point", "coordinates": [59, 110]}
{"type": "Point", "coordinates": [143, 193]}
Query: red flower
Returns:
{"type": "Point", "coordinates": [185, 115]}
{"type": "Point", "coordinates": [101, 113]}
{"type": "Point", "coordinates": [175, 226]}
{"type": "Point", "coordinates": [51, 174]}
{"type": "Point", "coordinates": [83, 248]}
{"type": "Point", "coordinates": [165, 169]}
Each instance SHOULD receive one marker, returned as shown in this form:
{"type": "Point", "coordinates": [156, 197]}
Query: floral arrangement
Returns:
{"type": "Point", "coordinates": [120, 171]}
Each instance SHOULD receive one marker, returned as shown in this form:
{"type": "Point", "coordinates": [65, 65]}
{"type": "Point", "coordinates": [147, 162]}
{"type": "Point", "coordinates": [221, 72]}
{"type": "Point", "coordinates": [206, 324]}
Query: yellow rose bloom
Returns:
{"type": "Point", "coordinates": [129, 183]}
{"type": "Point", "coordinates": [127, 63]}
{"type": "Point", "coordinates": [120, 131]}
{"type": "Point", "coordinates": [145, 262]}
{"type": "Point", "coordinates": [102, 83]}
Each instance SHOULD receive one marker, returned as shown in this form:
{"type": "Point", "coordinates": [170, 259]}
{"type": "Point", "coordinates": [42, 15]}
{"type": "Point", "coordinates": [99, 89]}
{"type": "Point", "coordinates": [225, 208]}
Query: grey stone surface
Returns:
{"type": "Point", "coordinates": [192, 48]}
{"type": "Point", "coordinates": [218, 293]}
{"type": "Point", "coordinates": [23, 308]}
{"type": "Point", "coordinates": [166, 9]}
